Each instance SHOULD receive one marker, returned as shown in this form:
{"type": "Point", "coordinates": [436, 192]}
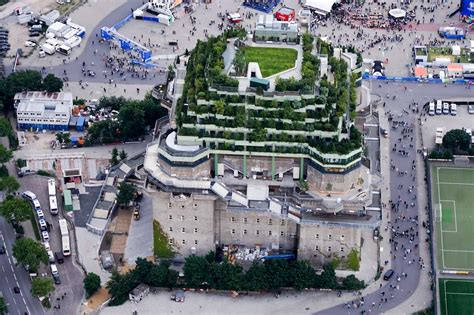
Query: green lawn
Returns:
{"type": "Point", "coordinates": [160, 242]}
{"type": "Point", "coordinates": [446, 52]}
{"type": "Point", "coordinates": [456, 297]}
{"type": "Point", "coordinates": [271, 60]}
{"type": "Point", "coordinates": [452, 200]}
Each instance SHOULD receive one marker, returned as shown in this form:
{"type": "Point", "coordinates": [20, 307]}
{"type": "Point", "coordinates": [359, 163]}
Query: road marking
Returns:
{"type": "Point", "coordinates": [3, 268]}
{"type": "Point", "coordinates": [14, 276]}
{"type": "Point", "coordinates": [9, 260]}
{"type": "Point", "coordinates": [14, 301]}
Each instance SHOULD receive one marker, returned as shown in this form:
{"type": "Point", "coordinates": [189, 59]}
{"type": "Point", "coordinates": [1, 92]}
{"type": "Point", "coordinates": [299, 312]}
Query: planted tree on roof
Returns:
{"type": "Point", "coordinates": [126, 193]}
{"type": "Point", "coordinates": [114, 160]}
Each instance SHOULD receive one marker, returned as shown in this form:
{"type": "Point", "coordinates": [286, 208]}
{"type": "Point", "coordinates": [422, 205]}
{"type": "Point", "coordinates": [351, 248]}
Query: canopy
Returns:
{"type": "Point", "coordinates": [320, 6]}
{"type": "Point", "coordinates": [397, 13]}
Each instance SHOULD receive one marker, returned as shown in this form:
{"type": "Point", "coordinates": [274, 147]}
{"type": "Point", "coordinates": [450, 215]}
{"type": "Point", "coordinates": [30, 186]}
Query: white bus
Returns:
{"type": "Point", "coordinates": [51, 187]}
{"type": "Point", "coordinates": [53, 205]}
{"type": "Point", "coordinates": [63, 227]}
{"type": "Point", "coordinates": [66, 246]}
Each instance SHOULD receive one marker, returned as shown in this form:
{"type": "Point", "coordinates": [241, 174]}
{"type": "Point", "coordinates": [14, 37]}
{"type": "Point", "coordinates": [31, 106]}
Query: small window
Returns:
{"type": "Point", "coordinates": [195, 230]}
{"type": "Point", "coordinates": [282, 222]}
{"type": "Point", "coordinates": [330, 237]}
{"type": "Point", "coordinates": [183, 242]}
{"type": "Point", "coordinates": [316, 248]}
{"type": "Point", "coordinates": [182, 218]}
{"type": "Point", "coordinates": [257, 220]}
{"type": "Point", "coordinates": [270, 221]}
{"type": "Point", "coordinates": [182, 206]}
{"type": "Point", "coordinates": [342, 249]}
{"type": "Point", "coordinates": [195, 242]}
{"type": "Point", "coordinates": [170, 241]}
{"type": "Point", "coordinates": [171, 229]}
{"type": "Point", "coordinates": [329, 249]}
{"type": "Point", "coordinates": [245, 220]}
{"type": "Point", "coordinates": [269, 233]}
{"type": "Point", "coordinates": [183, 230]}
{"type": "Point", "coordinates": [170, 217]}
{"type": "Point", "coordinates": [232, 231]}
{"type": "Point", "coordinates": [195, 205]}
{"type": "Point", "coordinates": [343, 237]}
{"type": "Point", "coordinates": [169, 205]}
{"type": "Point", "coordinates": [317, 236]}
{"type": "Point", "coordinates": [282, 233]}
{"type": "Point", "coordinates": [245, 232]}
{"type": "Point", "coordinates": [195, 218]}
{"type": "Point", "coordinates": [232, 219]}
{"type": "Point", "coordinates": [257, 232]}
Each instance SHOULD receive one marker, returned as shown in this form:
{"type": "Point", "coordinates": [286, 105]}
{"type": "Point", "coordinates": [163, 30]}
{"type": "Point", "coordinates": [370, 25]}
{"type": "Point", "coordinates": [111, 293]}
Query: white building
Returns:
{"type": "Point", "coordinates": [41, 110]}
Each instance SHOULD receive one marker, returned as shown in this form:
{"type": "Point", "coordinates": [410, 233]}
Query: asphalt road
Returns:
{"type": "Point", "coordinates": [420, 93]}
{"type": "Point", "coordinates": [12, 276]}
{"type": "Point", "coordinates": [74, 67]}
{"type": "Point", "coordinates": [71, 276]}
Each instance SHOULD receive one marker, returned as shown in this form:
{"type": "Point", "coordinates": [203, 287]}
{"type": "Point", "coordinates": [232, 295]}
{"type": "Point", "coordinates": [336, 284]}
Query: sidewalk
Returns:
{"type": "Point", "coordinates": [88, 245]}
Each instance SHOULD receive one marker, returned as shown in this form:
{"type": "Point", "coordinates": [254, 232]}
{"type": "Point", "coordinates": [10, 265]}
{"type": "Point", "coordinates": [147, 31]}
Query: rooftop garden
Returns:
{"type": "Point", "coordinates": [270, 60]}
{"type": "Point", "coordinates": [314, 115]}
{"type": "Point", "coordinates": [447, 52]}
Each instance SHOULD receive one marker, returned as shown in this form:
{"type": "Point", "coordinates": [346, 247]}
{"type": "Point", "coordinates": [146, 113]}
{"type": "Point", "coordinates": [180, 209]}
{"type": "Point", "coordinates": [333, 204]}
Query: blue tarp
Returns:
{"type": "Point", "coordinates": [467, 7]}
{"type": "Point", "coordinates": [80, 124]}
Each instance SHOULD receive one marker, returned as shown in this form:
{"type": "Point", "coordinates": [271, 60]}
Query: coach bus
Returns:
{"type": "Point", "coordinates": [64, 237]}
{"type": "Point", "coordinates": [53, 205]}
{"type": "Point", "coordinates": [51, 187]}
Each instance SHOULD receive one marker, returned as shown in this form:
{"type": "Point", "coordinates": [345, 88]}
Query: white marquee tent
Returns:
{"type": "Point", "coordinates": [322, 7]}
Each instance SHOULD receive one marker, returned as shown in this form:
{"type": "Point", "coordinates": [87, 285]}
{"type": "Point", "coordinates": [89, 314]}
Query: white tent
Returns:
{"type": "Point", "coordinates": [322, 7]}
{"type": "Point", "coordinates": [397, 13]}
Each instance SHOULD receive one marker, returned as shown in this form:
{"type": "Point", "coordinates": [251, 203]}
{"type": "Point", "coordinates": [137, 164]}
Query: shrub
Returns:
{"type": "Point", "coordinates": [353, 262]}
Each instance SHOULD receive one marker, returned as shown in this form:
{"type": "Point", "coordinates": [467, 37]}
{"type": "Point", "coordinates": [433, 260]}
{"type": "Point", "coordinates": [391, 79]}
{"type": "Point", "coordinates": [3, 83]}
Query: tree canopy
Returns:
{"type": "Point", "coordinates": [456, 140]}
{"type": "Point", "coordinates": [9, 184]}
{"type": "Point", "coordinates": [91, 283]}
{"type": "Point", "coordinates": [132, 121]}
{"type": "Point", "coordinates": [30, 253]}
{"type": "Point", "coordinates": [15, 209]}
{"type": "Point", "coordinates": [126, 193]}
{"type": "Point", "coordinates": [5, 154]}
{"type": "Point", "coordinates": [41, 286]}
{"type": "Point", "coordinates": [51, 83]}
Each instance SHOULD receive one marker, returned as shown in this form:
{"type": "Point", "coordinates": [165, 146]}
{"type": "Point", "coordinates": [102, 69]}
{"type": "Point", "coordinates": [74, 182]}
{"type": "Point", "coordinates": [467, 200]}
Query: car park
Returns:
{"type": "Point", "coordinates": [45, 236]}
{"type": "Point", "coordinates": [28, 195]}
{"type": "Point", "coordinates": [43, 225]}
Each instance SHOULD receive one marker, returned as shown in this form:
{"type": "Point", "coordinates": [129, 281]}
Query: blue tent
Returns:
{"type": "Point", "coordinates": [467, 7]}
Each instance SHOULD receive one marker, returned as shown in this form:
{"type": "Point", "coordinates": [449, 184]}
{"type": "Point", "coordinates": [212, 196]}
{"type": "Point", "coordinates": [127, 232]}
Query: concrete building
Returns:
{"type": "Point", "coordinates": [41, 110]}
{"type": "Point", "coordinates": [298, 187]}
{"type": "Point", "coordinates": [268, 28]}
{"type": "Point", "coordinates": [139, 293]}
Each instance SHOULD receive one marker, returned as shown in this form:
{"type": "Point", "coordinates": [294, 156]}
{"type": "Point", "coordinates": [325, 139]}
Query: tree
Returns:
{"type": "Point", "coordinates": [126, 193]}
{"type": "Point", "coordinates": [30, 253]}
{"type": "Point", "coordinates": [220, 106]}
{"type": "Point", "coordinates": [225, 276]}
{"type": "Point", "coordinates": [114, 160]}
{"type": "Point", "coordinates": [132, 121]}
{"type": "Point", "coordinates": [196, 271]}
{"type": "Point", "coordinates": [9, 184]}
{"type": "Point", "coordinates": [5, 127]}
{"type": "Point", "coordinates": [123, 155]}
{"type": "Point", "coordinates": [152, 110]}
{"type": "Point", "coordinates": [239, 61]}
{"type": "Point", "coordinates": [28, 80]}
{"type": "Point", "coordinates": [456, 139]}
{"type": "Point", "coordinates": [41, 286]}
{"type": "Point", "coordinates": [91, 283]}
{"type": "Point", "coordinates": [353, 262]}
{"type": "Point", "coordinates": [303, 275]}
{"type": "Point", "coordinates": [51, 83]}
{"type": "Point", "coordinates": [352, 283]}
{"type": "Point", "coordinates": [3, 306]}
{"type": "Point", "coordinates": [120, 285]}
{"type": "Point", "coordinates": [328, 277]}
{"type": "Point", "coordinates": [15, 209]}
{"type": "Point", "coordinates": [5, 154]}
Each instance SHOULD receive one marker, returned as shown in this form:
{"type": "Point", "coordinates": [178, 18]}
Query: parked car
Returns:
{"type": "Point", "coordinates": [35, 34]}
{"type": "Point", "coordinates": [445, 108]}
{"type": "Point", "coordinates": [56, 279]}
{"type": "Point", "coordinates": [45, 236]}
{"type": "Point", "coordinates": [2, 250]}
{"type": "Point", "coordinates": [16, 289]}
{"type": "Point", "coordinates": [46, 245]}
{"type": "Point", "coordinates": [28, 195]}
{"type": "Point", "coordinates": [29, 44]}
{"type": "Point", "coordinates": [178, 296]}
{"type": "Point", "coordinates": [40, 214]}
{"type": "Point", "coordinates": [51, 256]}
{"type": "Point", "coordinates": [43, 225]}
{"type": "Point", "coordinates": [470, 109]}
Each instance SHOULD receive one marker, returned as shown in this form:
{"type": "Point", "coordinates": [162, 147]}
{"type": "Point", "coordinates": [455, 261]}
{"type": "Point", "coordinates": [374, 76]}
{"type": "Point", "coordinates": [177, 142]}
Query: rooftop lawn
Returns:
{"type": "Point", "coordinates": [446, 52]}
{"type": "Point", "coordinates": [271, 60]}
{"type": "Point", "coordinates": [161, 248]}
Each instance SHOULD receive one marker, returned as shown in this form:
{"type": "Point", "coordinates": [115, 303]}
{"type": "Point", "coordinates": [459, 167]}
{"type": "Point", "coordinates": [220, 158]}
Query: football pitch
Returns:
{"type": "Point", "coordinates": [453, 205]}
{"type": "Point", "coordinates": [456, 296]}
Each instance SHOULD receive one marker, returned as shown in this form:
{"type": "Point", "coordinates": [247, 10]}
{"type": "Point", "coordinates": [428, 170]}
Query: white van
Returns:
{"type": "Point", "coordinates": [431, 110]}
{"type": "Point", "coordinates": [54, 269]}
{"type": "Point", "coordinates": [36, 204]}
{"type": "Point", "coordinates": [439, 107]}
{"type": "Point", "coordinates": [28, 195]}
{"type": "Point", "coordinates": [454, 109]}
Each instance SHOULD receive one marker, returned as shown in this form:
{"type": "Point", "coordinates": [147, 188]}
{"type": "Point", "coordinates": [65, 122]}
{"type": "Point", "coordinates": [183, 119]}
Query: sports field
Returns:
{"type": "Point", "coordinates": [453, 206]}
{"type": "Point", "coordinates": [456, 296]}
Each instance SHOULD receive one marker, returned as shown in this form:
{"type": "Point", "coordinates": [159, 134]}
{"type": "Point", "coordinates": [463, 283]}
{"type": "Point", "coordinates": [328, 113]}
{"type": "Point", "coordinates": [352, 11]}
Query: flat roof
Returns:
{"type": "Point", "coordinates": [257, 192]}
